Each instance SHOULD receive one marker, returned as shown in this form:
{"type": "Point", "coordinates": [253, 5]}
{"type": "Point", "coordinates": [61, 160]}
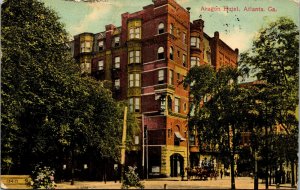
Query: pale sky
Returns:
{"type": "Point", "coordinates": [237, 28]}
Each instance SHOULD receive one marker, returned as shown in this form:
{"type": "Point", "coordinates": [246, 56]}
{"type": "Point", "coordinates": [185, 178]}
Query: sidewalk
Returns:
{"type": "Point", "coordinates": [174, 183]}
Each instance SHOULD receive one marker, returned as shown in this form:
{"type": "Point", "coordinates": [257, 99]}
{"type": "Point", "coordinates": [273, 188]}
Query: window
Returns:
{"type": "Point", "coordinates": [134, 80]}
{"type": "Point", "coordinates": [161, 53]}
{"type": "Point", "coordinates": [184, 107]}
{"type": "Point", "coordinates": [192, 139]}
{"type": "Point", "coordinates": [137, 57]}
{"type": "Point", "coordinates": [117, 41]}
{"type": "Point", "coordinates": [162, 103]}
{"type": "Point", "coordinates": [136, 140]}
{"type": "Point", "coordinates": [177, 136]}
{"type": "Point", "coordinates": [184, 60]}
{"type": "Point", "coordinates": [137, 80]}
{"type": "Point", "coordinates": [117, 84]}
{"type": "Point", "coordinates": [134, 57]}
{"type": "Point", "coordinates": [177, 105]}
{"type": "Point", "coordinates": [161, 76]}
{"type": "Point", "coordinates": [131, 56]}
{"type": "Point", "coordinates": [170, 106]}
{"type": "Point", "coordinates": [137, 105]}
{"type": "Point", "coordinates": [178, 53]}
{"type": "Point", "coordinates": [178, 76]}
{"type": "Point", "coordinates": [195, 61]}
{"type": "Point", "coordinates": [117, 62]}
{"type": "Point", "coordinates": [131, 104]}
{"type": "Point", "coordinates": [138, 32]}
{"type": "Point", "coordinates": [192, 110]}
{"type": "Point", "coordinates": [171, 53]}
{"type": "Point", "coordinates": [171, 29]}
{"type": "Point", "coordinates": [134, 104]}
{"type": "Point", "coordinates": [100, 65]}
{"type": "Point", "coordinates": [135, 32]}
{"type": "Point", "coordinates": [171, 77]}
{"type": "Point", "coordinates": [131, 80]}
{"type": "Point", "coordinates": [184, 37]}
{"type": "Point", "coordinates": [101, 45]}
{"type": "Point", "coordinates": [86, 47]}
{"type": "Point", "coordinates": [195, 42]}
{"type": "Point", "coordinates": [161, 28]}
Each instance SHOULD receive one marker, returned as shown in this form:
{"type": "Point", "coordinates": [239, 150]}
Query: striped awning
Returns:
{"type": "Point", "coordinates": [178, 135]}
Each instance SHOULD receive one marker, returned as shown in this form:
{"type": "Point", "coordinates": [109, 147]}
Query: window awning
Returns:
{"type": "Point", "coordinates": [178, 135]}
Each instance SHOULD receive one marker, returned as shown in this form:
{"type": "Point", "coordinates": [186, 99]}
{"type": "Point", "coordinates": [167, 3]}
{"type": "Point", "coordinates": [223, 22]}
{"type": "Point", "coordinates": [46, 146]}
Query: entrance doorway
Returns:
{"type": "Point", "coordinates": [177, 164]}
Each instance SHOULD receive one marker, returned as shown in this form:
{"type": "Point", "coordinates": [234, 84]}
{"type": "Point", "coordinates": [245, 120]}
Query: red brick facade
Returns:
{"type": "Point", "coordinates": [144, 59]}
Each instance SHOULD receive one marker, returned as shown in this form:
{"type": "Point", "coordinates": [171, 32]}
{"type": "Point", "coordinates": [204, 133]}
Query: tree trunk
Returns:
{"type": "Point", "coordinates": [255, 171]}
{"type": "Point", "coordinates": [232, 170]}
{"type": "Point", "coordinates": [231, 157]}
{"type": "Point", "coordinates": [267, 160]}
{"type": "Point", "coordinates": [72, 166]}
{"type": "Point", "coordinates": [293, 173]}
{"type": "Point", "coordinates": [270, 177]}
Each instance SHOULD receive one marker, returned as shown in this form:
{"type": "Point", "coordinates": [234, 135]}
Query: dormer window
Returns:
{"type": "Point", "coordinates": [161, 28]}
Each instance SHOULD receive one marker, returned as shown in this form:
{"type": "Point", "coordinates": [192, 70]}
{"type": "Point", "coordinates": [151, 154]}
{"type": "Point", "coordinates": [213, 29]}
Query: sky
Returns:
{"type": "Point", "coordinates": [237, 27]}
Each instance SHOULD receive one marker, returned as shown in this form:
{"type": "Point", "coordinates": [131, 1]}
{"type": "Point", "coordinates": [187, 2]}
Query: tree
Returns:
{"type": "Point", "coordinates": [33, 46]}
{"type": "Point", "coordinates": [274, 59]}
{"type": "Point", "coordinates": [221, 118]}
{"type": "Point", "coordinates": [50, 113]}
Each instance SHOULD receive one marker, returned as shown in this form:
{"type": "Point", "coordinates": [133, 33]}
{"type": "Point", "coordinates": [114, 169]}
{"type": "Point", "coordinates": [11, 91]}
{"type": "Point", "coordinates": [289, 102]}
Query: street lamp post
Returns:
{"type": "Point", "coordinates": [255, 171]}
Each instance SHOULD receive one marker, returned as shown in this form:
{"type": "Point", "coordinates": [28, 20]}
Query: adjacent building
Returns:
{"type": "Point", "coordinates": [145, 59]}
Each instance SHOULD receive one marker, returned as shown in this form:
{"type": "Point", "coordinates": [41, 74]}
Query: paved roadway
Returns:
{"type": "Point", "coordinates": [175, 183]}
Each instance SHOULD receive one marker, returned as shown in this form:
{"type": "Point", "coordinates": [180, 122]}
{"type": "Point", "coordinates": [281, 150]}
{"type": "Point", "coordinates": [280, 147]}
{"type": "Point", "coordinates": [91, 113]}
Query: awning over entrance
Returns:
{"type": "Point", "coordinates": [178, 135]}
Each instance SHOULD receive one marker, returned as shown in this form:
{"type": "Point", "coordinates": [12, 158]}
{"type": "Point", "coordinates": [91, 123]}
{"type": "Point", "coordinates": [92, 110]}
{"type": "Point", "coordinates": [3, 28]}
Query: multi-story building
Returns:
{"type": "Point", "coordinates": [145, 59]}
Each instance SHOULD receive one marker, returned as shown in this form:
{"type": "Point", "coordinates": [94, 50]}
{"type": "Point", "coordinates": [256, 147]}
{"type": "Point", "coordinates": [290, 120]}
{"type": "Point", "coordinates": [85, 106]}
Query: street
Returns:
{"type": "Point", "coordinates": [176, 183]}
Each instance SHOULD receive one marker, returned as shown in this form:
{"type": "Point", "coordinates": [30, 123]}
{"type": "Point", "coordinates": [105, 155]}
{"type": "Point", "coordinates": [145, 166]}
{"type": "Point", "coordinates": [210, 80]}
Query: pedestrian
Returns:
{"type": "Point", "coordinates": [116, 172]}
{"type": "Point", "coordinates": [221, 173]}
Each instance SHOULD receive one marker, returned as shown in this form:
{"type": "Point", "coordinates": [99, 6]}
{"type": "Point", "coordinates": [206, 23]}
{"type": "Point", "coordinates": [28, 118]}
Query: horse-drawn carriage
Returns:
{"type": "Point", "coordinates": [202, 173]}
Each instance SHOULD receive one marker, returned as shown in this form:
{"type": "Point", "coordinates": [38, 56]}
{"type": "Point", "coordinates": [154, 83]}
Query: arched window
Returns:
{"type": "Point", "coordinates": [161, 28]}
{"type": "Point", "coordinates": [171, 53]}
{"type": "Point", "coordinates": [172, 29]}
{"type": "Point", "coordinates": [161, 53]}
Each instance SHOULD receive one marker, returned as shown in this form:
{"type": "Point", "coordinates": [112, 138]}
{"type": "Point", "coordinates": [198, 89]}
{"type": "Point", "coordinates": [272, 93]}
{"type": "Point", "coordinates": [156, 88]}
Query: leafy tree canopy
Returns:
{"type": "Point", "coordinates": [48, 109]}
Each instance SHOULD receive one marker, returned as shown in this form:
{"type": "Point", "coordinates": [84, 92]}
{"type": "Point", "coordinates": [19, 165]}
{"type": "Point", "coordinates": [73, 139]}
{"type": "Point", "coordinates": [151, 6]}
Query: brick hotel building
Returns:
{"type": "Point", "coordinates": [145, 58]}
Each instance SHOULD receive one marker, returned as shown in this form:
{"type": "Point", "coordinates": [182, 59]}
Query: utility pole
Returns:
{"type": "Point", "coordinates": [147, 156]}
{"type": "Point", "coordinates": [123, 147]}
{"type": "Point", "coordinates": [143, 146]}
